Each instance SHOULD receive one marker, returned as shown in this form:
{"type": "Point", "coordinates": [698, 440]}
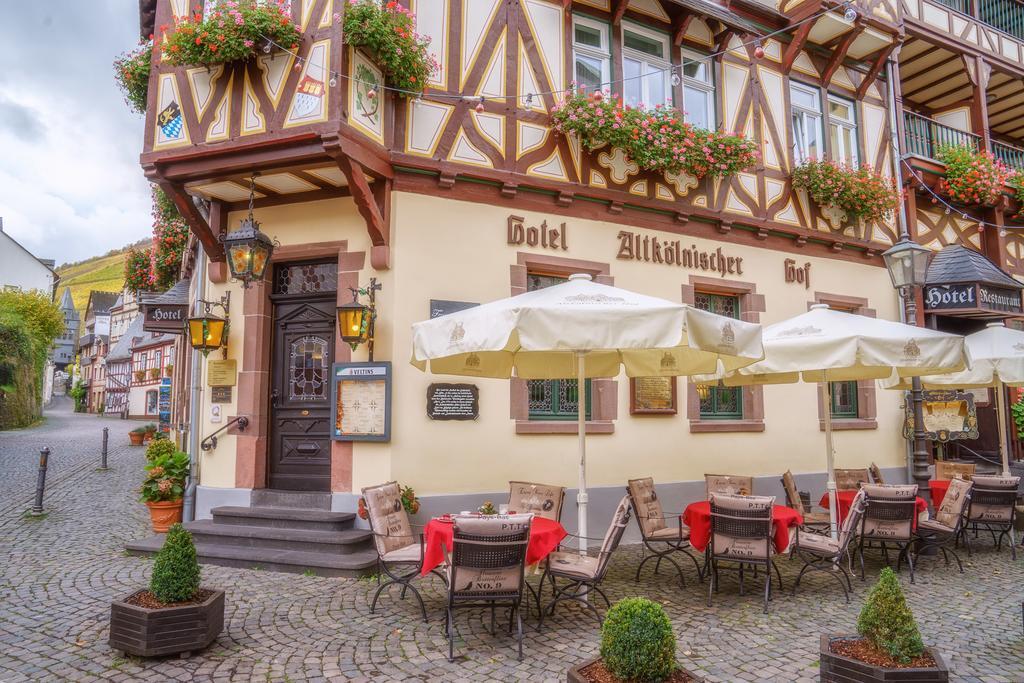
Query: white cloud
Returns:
{"type": "Point", "coordinates": [70, 181]}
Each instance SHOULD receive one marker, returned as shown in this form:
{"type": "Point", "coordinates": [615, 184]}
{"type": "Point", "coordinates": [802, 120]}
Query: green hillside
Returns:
{"type": "Point", "coordinates": [103, 273]}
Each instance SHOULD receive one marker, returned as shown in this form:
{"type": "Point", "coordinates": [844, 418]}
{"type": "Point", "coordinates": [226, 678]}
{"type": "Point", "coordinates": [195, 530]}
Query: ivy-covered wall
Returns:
{"type": "Point", "coordinates": [29, 323]}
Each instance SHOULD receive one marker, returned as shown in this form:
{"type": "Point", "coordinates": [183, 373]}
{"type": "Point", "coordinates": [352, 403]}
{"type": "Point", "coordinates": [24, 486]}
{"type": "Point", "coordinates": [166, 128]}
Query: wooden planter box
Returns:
{"type": "Point", "coordinates": [574, 675]}
{"type": "Point", "coordinates": [845, 670]}
{"type": "Point", "coordinates": [153, 632]}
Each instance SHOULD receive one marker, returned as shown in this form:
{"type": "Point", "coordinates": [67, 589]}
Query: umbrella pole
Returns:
{"type": "Point", "coordinates": [581, 425]}
{"type": "Point", "coordinates": [1004, 451]}
{"type": "Point", "coordinates": [830, 485]}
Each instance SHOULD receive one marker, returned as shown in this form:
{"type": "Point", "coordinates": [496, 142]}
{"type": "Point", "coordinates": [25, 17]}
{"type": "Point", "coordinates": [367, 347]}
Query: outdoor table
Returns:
{"type": "Point", "coordinates": [545, 535]}
{"type": "Point", "coordinates": [938, 487]}
{"type": "Point", "coordinates": [844, 499]}
{"type": "Point", "coordinates": [697, 516]}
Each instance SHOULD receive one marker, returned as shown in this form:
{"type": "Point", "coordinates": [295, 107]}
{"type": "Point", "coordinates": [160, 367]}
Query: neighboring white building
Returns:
{"type": "Point", "coordinates": [20, 269]}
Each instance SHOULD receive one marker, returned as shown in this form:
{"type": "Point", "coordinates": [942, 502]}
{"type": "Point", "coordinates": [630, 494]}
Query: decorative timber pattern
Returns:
{"type": "Point", "coordinates": [966, 32]}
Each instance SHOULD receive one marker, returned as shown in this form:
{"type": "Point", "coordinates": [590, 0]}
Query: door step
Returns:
{"type": "Point", "coordinates": [277, 498]}
{"type": "Point", "coordinates": [343, 542]}
{"type": "Point", "coordinates": [283, 518]}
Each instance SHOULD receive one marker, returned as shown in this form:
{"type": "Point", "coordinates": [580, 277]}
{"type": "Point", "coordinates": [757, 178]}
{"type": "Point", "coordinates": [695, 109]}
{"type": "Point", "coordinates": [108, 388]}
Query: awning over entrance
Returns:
{"type": "Point", "coordinates": [964, 282]}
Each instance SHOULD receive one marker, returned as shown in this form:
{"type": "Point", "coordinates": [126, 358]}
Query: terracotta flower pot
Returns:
{"type": "Point", "coordinates": [136, 438]}
{"type": "Point", "coordinates": [164, 514]}
{"type": "Point", "coordinates": [147, 437]}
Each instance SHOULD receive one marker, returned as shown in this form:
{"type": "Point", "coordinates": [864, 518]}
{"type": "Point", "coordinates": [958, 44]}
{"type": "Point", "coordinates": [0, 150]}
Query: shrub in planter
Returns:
{"type": "Point", "coordinates": [175, 615]}
{"type": "Point", "coordinates": [859, 192]}
{"type": "Point", "coordinates": [164, 486]}
{"type": "Point", "coordinates": [154, 373]}
{"type": "Point", "coordinates": [131, 71]}
{"type": "Point", "coordinates": [889, 645]}
{"type": "Point", "coordinates": [232, 32]}
{"type": "Point", "coordinates": [637, 642]}
{"type": "Point", "coordinates": [655, 139]}
{"type": "Point", "coordinates": [387, 31]}
{"type": "Point", "coordinates": [973, 177]}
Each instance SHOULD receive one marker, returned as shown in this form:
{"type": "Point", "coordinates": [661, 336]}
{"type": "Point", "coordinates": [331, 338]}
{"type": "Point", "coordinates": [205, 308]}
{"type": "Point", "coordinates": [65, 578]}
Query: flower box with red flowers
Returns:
{"type": "Point", "coordinates": [973, 177]}
{"type": "Point", "coordinates": [387, 31]}
{"type": "Point", "coordinates": [231, 31]}
{"type": "Point", "coordinates": [859, 192]}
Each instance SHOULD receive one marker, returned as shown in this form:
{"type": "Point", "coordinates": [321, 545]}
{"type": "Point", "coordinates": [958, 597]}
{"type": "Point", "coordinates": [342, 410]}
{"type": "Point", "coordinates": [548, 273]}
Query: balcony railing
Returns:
{"type": "Point", "coordinates": [924, 137]}
{"type": "Point", "coordinates": [1003, 15]}
{"type": "Point", "coordinates": [1008, 154]}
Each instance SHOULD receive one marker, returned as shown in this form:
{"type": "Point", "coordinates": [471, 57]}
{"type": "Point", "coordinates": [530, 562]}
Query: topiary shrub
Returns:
{"type": "Point", "coordinates": [175, 571]}
{"type": "Point", "coordinates": [887, 622]}
{"type": "Point", "coordinates": [637, 643]}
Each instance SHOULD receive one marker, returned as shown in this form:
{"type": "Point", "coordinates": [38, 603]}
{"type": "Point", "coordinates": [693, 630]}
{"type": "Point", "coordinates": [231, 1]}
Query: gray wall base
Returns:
{"type": "Point", "coordinates": [208, 497]}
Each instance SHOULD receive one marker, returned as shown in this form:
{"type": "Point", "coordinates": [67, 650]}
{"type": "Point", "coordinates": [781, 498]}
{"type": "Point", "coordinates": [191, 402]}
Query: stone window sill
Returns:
{"type": "Point", "coordinates": [717, 426]}
{"type": "Point", "coordinates": [841, 424]}
{"type": "Point", "coordinates": [563, 427]}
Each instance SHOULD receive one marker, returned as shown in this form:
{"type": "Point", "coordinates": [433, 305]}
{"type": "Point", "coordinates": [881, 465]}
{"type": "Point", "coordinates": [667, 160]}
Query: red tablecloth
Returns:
{"type": "Point", "coordinates": [545, 535]}
{"type": "Point", "coordinates": [938, 487]}
{"type": "Point", "coordinates": [697, 516]}
{"type": "Point", "coordinates": [844, 500]}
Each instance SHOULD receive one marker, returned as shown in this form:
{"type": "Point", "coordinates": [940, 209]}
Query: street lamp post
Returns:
{"type": "Point", "coordinates": [907, 262]}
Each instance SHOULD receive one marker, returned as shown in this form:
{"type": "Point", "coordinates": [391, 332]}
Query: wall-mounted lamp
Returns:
{"type": "Point", "coordinates": [208, 332]}
{"type": "Point", "coordinates": [247, 248]}
{"type": "Point", "coordinates": [356, 320]}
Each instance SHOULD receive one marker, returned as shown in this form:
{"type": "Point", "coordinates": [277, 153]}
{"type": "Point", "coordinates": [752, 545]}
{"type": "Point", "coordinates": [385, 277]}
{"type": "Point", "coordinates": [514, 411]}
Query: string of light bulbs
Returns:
{"type": "Point", "coordinates": [849, 14]}
{"type": "Point", "coordinates": [949, 208]}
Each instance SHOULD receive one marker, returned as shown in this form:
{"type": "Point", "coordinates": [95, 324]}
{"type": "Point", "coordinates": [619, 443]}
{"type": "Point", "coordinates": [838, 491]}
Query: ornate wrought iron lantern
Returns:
{"type": "Point", "coordinates": [356, 320]}
{"type": "Point", "coordinates": [248, 249]}
{"type": "Point", "coordinates": [209, 332]}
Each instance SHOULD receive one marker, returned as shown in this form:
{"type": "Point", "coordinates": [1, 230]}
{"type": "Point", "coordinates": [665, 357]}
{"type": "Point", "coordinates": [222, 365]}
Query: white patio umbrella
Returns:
{"type": "Point", "coordinates": [583, 329]}
{"type": "Point", "coordinates": [997, 361]}
{"type": "Point", "coordinates": [826, 346]}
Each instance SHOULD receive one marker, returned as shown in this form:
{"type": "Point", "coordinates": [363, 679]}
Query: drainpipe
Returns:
{"type": "Point", "coordinates": [195, 400]}
{"type": "Point", "coordinates": [901, 215]}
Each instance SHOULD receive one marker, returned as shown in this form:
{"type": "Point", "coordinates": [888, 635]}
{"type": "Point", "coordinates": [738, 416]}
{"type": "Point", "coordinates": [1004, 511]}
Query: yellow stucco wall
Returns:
{"type": "Point", "coordinates": [445, 249]}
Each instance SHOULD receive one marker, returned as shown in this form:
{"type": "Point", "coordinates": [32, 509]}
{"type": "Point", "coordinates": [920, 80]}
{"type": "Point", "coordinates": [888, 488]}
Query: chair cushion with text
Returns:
{"type": "Point", "coordinates": [741, 526]}
{"type": "Point", "coordinates": [388, 518]}
{"type": "Point", "coordinates": [649, 514]}
{"type": "Point", "coordinates": [953, 503]}
{"type": "Point", "coordinates": [729, 484]}
{"type": "Point", "coordinates": [543, 500]}
{"type": "Point", "coordinates": [469, 576]}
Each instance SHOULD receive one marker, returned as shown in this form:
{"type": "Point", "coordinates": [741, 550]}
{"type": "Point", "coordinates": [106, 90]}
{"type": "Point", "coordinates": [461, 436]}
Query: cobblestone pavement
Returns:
{"type": "Point", "coordinates": [58, 575]}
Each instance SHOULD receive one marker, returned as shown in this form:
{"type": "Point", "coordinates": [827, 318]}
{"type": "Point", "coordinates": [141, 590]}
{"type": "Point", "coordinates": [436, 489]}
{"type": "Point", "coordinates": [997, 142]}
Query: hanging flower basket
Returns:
{"type": "Point", "coordinates": [388, 33]}
{"type": "Point", "coordinates": [655, 139]}
{"type": "Point", "coordinates": [131, 71]}
{"type": "Point", "coordinates": [232, 32]}
{"type": "Point", "coordinates": [973, 178]}
{"type": "Point", "coordinates": [857, 192]}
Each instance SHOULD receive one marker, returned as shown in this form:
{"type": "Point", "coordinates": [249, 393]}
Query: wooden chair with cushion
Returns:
{"type": "Point", "coordinates": [850, 480]}
{"type": "Point", "coordinates": [543, 500]}
{"type": "Point", "coordinates": [992, 508]}
{"type": "Point", "coordinates": [486, 568]}
{"type": "Point", "coordinates": [946, 470]}
{"type": "Point", "coordinates": [942, 531]}
{"type": "Point", "coordinates": [888, 520]}
{"type": "Point", "coordinates": [812, 519]}
{"type": "Point", "coordinates": [823, 553]}
{"type": "Point", "coordinates": [876, 474]}
{"type": "Point", "coordinates": [584, 574]}
{"type": "Point", "coordinates": [729, 484]}
{"type": "Point", "coordinates": [741, 534]}
{"type": "Point", "coordinates": [660, 538]}
{"type": "Point", "coordinates": [399, 549]}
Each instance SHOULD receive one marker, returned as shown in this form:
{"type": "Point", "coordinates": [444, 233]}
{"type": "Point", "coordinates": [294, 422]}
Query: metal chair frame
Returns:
{"type": "Point", "coordinates": [893, 510]}
{"type": "Point", "coordinates": [487, 552]}
{"type": "Point", "coordinates": [945, 541]}
{"type": "Point", "coordinates": [399, 577]}
{"type": "Point", "coordinates": [744, 524]}
{"type": "Point", "coordinates": [829, 563]}
{"type": "Point", "coordinates": [984, 495]}
{"type": "Point", "coordinates": [797, 503]}
{"type": "Point", "coordinates": [672, 545]}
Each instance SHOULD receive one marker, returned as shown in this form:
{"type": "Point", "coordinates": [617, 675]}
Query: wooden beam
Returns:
{"type": "Point", "coordinates": [618, 10]}
{"type": "Point", "coordinates": [372, 207]}
{"type": "Point", "coordinates": [839, 52]}
{"type": "Point", "coordinates": [876, 68]}
{"type": "Point", "coordinates": [197, 223]}
{"type": "Point", "coordinates": [796, 45]}
{"type": "Point", "coordinates": [679, 28]}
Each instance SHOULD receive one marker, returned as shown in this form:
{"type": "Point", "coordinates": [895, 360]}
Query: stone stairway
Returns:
{"type": "Point", "coordinates": [282, 531]}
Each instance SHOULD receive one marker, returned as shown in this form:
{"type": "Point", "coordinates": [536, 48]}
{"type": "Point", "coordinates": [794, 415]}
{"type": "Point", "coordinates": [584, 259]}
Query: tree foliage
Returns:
{"type": "Point", "coordinates": [29, 324]}
{"type": "Point", "coordinates": [175, 570]}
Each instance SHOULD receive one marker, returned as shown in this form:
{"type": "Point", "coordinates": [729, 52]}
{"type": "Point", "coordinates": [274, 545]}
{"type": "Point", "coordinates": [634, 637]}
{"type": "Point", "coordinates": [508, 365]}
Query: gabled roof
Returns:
{"type": "Point", "coordinates": [46, 263]}
{"type": "Point", "coordinates": [958, 264]}
{"type": "Point", "coordinates": [100, 302]}
{"type": "Point", "coordinates": [122, 350]}
{"type": "Point", "coordinates": [178, 294]}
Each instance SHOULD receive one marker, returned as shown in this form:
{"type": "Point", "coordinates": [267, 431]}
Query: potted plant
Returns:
{"type": "Point", "coordinates": [888, 647]}
{"type": "Point", "coordinates": [163, 488]}
{"type": "Point", "coordinates": [131, 71]}
{"type": "Point", "coordinates": [168, 369]}
{"type": "Point", "coordinates": [140, 375]}
{"type": "Point", "coordinates": [154, 373]}
{"type": "Point", "coordinates": [175, 615]}
{"type": "Point", "coordinates": [637, 646]}
{"type": "Point", "coordinates": [150, 432]}
{"type": "Point", "coordinates": [409, 501]}
{"type": "Point", "coordinates": [487, 508]}
{"type": "Point", "coordinates": [159, 448]}
{"type": "Point", "coordinates": [137, 436]}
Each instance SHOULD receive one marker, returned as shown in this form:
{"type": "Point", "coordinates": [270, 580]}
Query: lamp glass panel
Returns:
{"type": "Point", "coordinates": [260, 256]}
{"type": "Point", "coordinates": [350, 319]}
{"type": "Point", "coordinates": [241, 260]}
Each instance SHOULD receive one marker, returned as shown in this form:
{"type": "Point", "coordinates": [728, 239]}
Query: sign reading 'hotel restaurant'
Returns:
{"type": "Point", "coordinates": [971, 296]}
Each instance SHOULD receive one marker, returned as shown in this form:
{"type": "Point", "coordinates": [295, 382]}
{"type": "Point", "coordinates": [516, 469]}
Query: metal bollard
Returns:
{"type": "Point", "coordinates": [103, 452]}
{"type": "Point", "coordinates": [44, 457]}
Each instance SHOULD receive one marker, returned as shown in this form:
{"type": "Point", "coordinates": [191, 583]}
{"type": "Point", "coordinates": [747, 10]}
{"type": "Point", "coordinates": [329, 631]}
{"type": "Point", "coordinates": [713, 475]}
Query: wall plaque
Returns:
{"type": "Point", "coordinates": [361, 396]}
{"type": "Point", "coordinates": [948, 416]}
{"type": "Point", "coordinates": [220, 394]}
{"type": "Point", "coordinates": [652, 396]}
{"type": "Point", "coordinates": [453, 402]}
{"type": "Point", "coordinates": [222, 373]}
{"type": "Point", "coordinates": [439, 307]}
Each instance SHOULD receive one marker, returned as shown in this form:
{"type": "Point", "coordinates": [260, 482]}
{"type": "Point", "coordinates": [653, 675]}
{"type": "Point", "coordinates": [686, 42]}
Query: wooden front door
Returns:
{"type": "Point", "coordinates": [302, 353]}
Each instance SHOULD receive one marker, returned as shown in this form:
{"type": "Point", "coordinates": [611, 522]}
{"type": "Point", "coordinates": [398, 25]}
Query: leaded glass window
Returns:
{"type": "Point", "coordinates": [306, 278]}
{"type": "Point", "coordinates": [308, 369]}
{"type": "Point", "coordinates": [722, 403]}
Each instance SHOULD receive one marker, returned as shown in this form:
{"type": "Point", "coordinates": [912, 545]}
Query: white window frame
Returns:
{"type": "Point", "coordinates": [707, 88]}
{"type": "Point", "coordinates": [650, 62]}
{"type": "Point", "coordinates": [848, 124]}
{"type": "Point", "coordinates": [799, 156]}
{"type": "Point", "coordinates": [604, 53]}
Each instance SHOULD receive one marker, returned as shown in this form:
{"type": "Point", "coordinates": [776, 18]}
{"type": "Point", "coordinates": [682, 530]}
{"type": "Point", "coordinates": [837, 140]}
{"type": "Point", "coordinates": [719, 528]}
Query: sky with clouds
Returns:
{"type": "Point", "coordinates": [70, 181]}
